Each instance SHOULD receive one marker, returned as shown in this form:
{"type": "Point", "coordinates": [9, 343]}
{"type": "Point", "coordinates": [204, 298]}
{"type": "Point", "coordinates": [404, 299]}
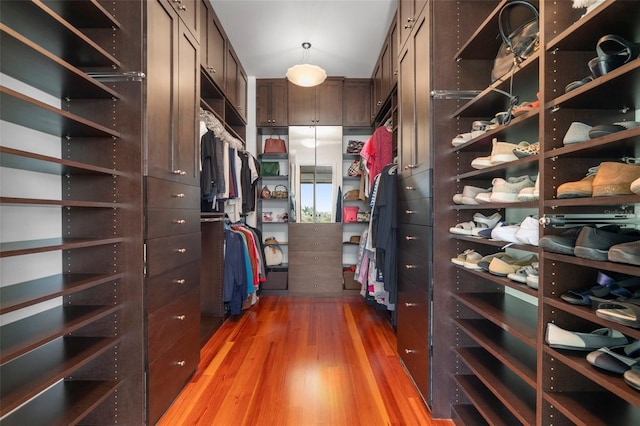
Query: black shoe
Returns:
{"type": "Point", "coordinates": [562, 243]}
{"type": "Point", "coordinates": [625, 253]}
{"type": "Point", "coordinates": [594, 243]}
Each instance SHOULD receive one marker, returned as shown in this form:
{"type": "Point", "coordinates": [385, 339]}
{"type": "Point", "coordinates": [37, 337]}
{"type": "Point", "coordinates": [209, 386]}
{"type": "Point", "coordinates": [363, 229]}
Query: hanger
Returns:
{"type": "Point", "coordinates": [218, 129]}
{"type": "Point", "coordinates": [389, 124]}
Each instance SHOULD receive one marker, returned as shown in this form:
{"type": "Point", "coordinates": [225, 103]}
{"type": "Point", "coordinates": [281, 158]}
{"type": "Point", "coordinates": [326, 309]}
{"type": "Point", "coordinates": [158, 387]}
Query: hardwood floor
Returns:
{"type": "Point", "coordinates": [303, 362]}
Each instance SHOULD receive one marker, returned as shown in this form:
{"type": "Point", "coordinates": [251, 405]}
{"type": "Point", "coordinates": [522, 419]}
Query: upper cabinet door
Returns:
{"type": "Point", "coordinates": [212, 44]}
{"type": "Point", "coordinates": [408, 11]}
{"type": "Point", "coordinates": [302, 105]}
{"type": "Point", "coordinates": [329, 103]}
{"type": "Point", "coordinates": [188, 12]}
{"type": "Point", "coordinates": [271, 102]}
{"type": "Point", "coordinates": [356, 101]}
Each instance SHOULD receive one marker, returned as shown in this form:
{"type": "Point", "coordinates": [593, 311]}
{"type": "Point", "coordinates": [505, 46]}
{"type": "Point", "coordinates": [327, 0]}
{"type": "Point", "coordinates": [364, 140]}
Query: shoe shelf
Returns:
{"type": "Point", "coordinates": [496, 243]}
{"type": "Point", "coordinates": [576, 361]}
{"type": "Point", "coordinates": [512, 352]}
{"type": "Point", "coordinates": [516, 395]}
{"type": "Point", "coordinates": [485, 405]}
{"type": "Point", "coordinates": [600, 408]}
{"type": "Point", "coordinates": [505, 282]}
{"type": "Point", "coordinates": [506, 311]}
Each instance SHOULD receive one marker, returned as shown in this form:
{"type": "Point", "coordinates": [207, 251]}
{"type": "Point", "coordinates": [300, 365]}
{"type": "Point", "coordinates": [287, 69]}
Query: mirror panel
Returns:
{"type": "Point", "coordinates": [315, 158]}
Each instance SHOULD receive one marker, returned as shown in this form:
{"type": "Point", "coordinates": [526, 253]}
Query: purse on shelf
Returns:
{"type": "Point", "coordinates": [517, 45]}
{"type": "Point", "coordinates": [270, 168]}
{"type": "Point", "coordinates": [265, 193]}
{"type": "Point", "coordinates": [280, 191]}
{"type": "Point", "coordinates": [275, 146]}
{"type": "Point", "coordinates": [355, 169]}
{"type": "Point", "coordinates": [354, 146]}
{"type": "Point", "coordinates": [350, 214]}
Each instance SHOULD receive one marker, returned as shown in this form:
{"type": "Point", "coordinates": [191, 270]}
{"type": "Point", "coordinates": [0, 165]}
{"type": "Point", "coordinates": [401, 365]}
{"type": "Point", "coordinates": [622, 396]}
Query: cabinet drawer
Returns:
{"type": "Point", "coordinates": [315, 236]}
{"type": "Point", "coordinates": [415, 239]}
{"type": "Point", "coordinates": [166, 222]}
{"type": "Point", "coordinates": [164, 194]}
{"type": "Point", "coordinates": [415, 186]}
{"type": "Point", "coordinates": [315, 272]}
{"type": "Point", "coordinates": [169, 252]}
{"type": "Point", "coordinates": [171, 321]}
{"type": "Point", "coordinates": [414, 268]}
{"type": "Point", "coordinates": [171, 372]}
{"type": "Point", "coordinates": [416, 211]}
{"type": "Point", "coordinates": [170, 285]}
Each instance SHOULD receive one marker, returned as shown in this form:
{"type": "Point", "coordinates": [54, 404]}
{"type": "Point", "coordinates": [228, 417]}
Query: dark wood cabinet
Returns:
{"type": "Point", "coordinates": [236, 83]}
{"type": "Point", "coordinates": [385, 73]}
{"type": "Point", "coordinates": [72, 330]}
{"type": "Point", "coordinates": [356, 102]}
{"type": "Point", "coordinates": [188, 11]}
{"type": "Point", "coordinates": [212, 43]}
{"type": "Point", "coordinates": [173, 76]}
{"type": "Point", "coordinates": [317, 106]}
{"type": "Point", "coordinates": [271, 102]}
{"type": "Point", "coordinates": [408, 12]}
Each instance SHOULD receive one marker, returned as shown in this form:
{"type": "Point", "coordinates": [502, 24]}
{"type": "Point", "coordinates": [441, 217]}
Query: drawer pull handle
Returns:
{"type": "Point", "coordinates": [181, 195]}
{"type": "Point", "coordinates": [410, 266]}
{"type": "Point", "coordinates": [179, 221]}
{"type": "Point", "coordinates": [410, 238]}
{"type": "Point", "coordinates": [181, 317]}
{"type": "Point", "coordinates": [412, 166]}
{"type": "Point", "coordinates": [410, 304]}
{"type": "Point", "coordinates": [410, 211]}
{"type": "Point", "coordinates": [181, 250]}
{"type": "Point", "coordinates": [180, 363]}
{"type": "Point", "coordinates": [410, 188]}
{"type": "Point", "coordinates": [179, 172]}
{"type": "Point", "coordinates": [180, 281]}
{"type": "Point", "coordinates": [410, 351]}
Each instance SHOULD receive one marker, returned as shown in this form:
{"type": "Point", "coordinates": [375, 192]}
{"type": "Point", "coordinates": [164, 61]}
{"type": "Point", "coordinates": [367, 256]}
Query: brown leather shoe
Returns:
{"type": "Point", "coordinates": [615, 179]}
{"type": "Point", "coordinates": [578, 189]}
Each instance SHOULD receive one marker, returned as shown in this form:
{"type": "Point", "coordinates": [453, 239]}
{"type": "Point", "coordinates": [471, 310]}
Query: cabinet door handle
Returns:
{"type": "Point", "coordinates": [412, 166]}
{"type": "Point", "coordinates": [409, 305]}
{"type": "Point", "coordinates": [179, 172]}
{"type": "Point", "coordinates": [179, 221]}
{"type": "Point", "coordinates": [181, 250]}
{"type": "Point", "coordinates": [181, 317]}
{"type": "Point", "coordinates": [410, 351]}
{"type": "Point", "coordinates": [410, 211]}
{"type": "Point", "coordinates": [180, 363]}
{"type": "Point", "coordinates": [410, 238]}
{"type": "Point", "coordinates": [410, 266]}
{"type": "Point", "coordinates": [180, 195]}
{"type": "Point", "coordinates": [180, 281]}
{"type": "Point", "coordinates": [182, 7]}
{"type": "Point", "coordinates": [410, 188]}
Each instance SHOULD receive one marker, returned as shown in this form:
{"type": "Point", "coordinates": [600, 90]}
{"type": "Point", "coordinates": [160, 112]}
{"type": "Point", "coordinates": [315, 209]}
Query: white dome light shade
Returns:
{"type": "Point", "coordinates": [306, 75]}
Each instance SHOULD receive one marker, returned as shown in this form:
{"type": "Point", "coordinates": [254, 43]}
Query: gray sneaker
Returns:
{"type": "Point", "coordinates": [594, 243]}
{"type": "Point", "coordinates": [625, 253]}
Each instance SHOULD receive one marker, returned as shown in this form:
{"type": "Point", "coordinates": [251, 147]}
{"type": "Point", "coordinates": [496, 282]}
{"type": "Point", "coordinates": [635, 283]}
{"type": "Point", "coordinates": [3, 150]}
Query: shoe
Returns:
{"type": "Point", "coordinates": [483, 264]}
{"type": "Point", "coordinates": [578, 132]}
{"type": "Point", "coordinates": [578, 189]}
{"type": "Point", "coordinates": [484, 222]}
{"type": "Point", "coordinates": [625, 253]}
{"type": "Point", "coordinates": [468, 195]}
{"type": "Point", "coordinates": [466, 137]}
{"type": "Point", "coordinates": [506, 191]}
{"type": "Point", "coordinates": [486, 233]}
{"type": "Point", "coordinates": [635, 186]}
{"type": "Point", "coordinates": [505, 233]}
{"type": "Point", "coordinates": [611, 360]}
{"type": "Point", "coordinates": [466, 256]}
{"type": "Point", "coordinates": [528, 232]}
{"type": "Point", "coordinates": [604, 130]}
{"type": "Point", "coordinates": [480, 163]}
{"type": "Point", "coordinates": [532, 276]}
{"type": "Point", "coordinates": [615, 178]}
{"type": "Point", "coordinates": [522, 151]}
{"type": "Point", "coordinates": [502, 152]}
{"type": "Point", "coordinates": [559, 338]}
{"type": "Point", "coordinates": [523, 272]}
{"type": "Point", "coordinates": [505, 266]}
{"type": "Point", "coordinates": [594, 243]}
{"type": "Point", "coordinates": [528, 194]}
{"type": "Point", "coordinates": [563, 243]}
{"type": "Point", "coordinates": [462, 228]}
{"type": "Point", "coordinates": [625, 312]}
{"type": "Point", "coordinates": [632, 377]}
{"type": "Point", "coordinates": [483, 197]}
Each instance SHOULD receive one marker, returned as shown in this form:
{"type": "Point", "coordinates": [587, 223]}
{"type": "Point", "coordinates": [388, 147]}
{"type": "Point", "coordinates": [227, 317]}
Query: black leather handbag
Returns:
{"type": "Point", "coordinates": [517, 45]}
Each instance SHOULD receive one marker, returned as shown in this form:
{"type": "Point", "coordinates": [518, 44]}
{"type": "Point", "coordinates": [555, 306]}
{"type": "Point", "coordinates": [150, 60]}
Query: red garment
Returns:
{"type": "Point", "coordinates": [378, 152]}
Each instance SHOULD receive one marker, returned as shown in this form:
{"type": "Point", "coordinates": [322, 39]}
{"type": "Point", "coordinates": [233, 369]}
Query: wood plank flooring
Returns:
{"type": "Point", "coordinates": [301, 362]}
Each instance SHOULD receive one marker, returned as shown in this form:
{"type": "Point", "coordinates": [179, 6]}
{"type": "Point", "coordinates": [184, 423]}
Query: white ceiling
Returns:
{"type": "Point", "coordinates": [345, 35]}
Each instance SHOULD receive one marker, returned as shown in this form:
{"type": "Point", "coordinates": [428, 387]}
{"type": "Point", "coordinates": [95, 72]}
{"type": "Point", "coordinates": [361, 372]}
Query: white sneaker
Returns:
{"type": "Point", "coordinates": [529, 194]}
{"type": "Point", "coordinates": [506, 191]}
{"type": "Point", "coordinates": [505, 233]}
{"type": "Point", "coordinates": [529, 231]}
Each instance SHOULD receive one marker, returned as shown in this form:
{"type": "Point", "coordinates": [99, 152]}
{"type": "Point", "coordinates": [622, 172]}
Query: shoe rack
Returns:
{"type": "Point", "coordinates": [488, 332]}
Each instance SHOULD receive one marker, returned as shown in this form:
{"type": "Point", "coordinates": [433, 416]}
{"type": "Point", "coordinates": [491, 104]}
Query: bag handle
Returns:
{"type": "Point", "coordinates": [630, 50]}
{"type": "Point", "coordinates": [505, 27]}
{"type": "Point", "coordinates": [276, 187]}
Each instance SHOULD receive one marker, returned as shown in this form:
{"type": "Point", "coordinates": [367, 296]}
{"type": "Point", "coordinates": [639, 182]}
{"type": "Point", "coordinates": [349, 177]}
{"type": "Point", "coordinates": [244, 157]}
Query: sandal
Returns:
{"type": "Point", "coordinates": [522, 150]}
{"type": "Point", "coordinates": [468, 255]}
{"type": "Point", "coordinates": [625, 313]}
{"type": "Point", "coordinates": [484, 222]}
{"type": "Point", "coordinates": [462, 228]}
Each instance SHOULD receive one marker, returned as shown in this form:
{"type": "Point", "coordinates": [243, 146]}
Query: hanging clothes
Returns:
{"type": "Point", "coordinates": [378, 151]}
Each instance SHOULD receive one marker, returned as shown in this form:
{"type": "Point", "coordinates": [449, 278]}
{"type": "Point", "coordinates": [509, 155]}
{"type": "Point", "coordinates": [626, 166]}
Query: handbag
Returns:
{"type": "Point", "coordinates": [353, 194]}
{"type": "Point", "coordinates": [280, 193]}
{"type": "Point", "coordinates": [273, 255]}
{"type": "Point", "coordinates": [519, 44]}
{"type": "Point", "coordinates": [354, 147]}
{"type": "Point", "coordinates": [275, 146]}
{"type": "Point", "coordinates": [265, 193]}
{"type": "Point", "coordinates": [355, 167]}
{"type": "Point", "coordinates": [350, 214]}
{"type": "Point", "coordinates": [269, 168]}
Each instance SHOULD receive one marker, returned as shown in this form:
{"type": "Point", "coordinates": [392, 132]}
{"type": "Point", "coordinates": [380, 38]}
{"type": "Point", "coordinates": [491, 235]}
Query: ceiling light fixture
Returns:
{"type": "Point", "coordinates": [305, 74]}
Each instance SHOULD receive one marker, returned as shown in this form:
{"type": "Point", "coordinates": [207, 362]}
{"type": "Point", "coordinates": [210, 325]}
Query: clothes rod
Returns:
{"type": "Point", "coordinates": [455, 94]}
